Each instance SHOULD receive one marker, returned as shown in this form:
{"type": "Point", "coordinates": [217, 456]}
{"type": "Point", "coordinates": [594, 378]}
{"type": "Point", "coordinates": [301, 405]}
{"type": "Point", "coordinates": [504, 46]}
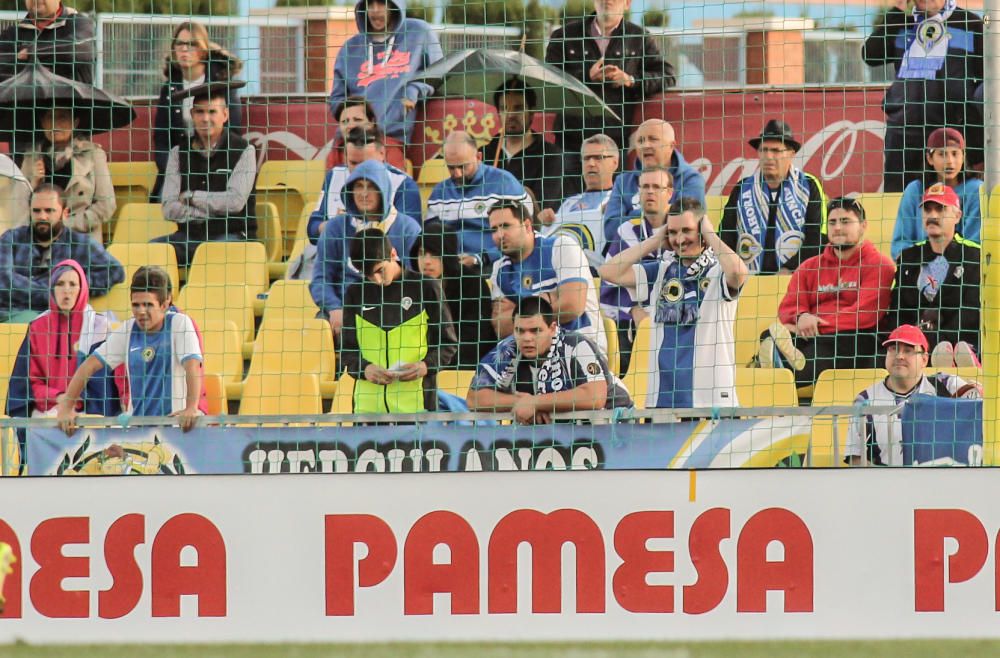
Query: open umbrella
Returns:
{"type": "Point", "coordinates": [477, 73]}
{"type": "Point", "coordinates": [36, 88]}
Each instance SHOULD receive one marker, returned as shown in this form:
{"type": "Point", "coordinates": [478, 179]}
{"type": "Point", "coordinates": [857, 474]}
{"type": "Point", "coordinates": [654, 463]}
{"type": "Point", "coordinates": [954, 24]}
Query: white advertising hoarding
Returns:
{"type": "Point", "coordinates": [869, 553]}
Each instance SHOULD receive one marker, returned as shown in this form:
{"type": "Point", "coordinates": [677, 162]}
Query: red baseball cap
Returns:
{"type": "Point", "coordinates": [943, 137]}
{"type": "Point", "coordinates": [908, 335]}
{"type": "Point", "coordinates": [941, 194]}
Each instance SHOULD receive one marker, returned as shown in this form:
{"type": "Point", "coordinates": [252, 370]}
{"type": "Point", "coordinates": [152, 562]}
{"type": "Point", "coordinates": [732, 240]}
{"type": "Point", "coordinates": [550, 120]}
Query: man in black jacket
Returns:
{"type": "Point", "coordinates": [208, 188]}
{"type": "Point", "coordinates": [538, 164]}
{"type": "Point", "coordinates": [937, 50]}
{"type": "Point", "coordinates": [618, 60]}
{"type": "Point", "coordinates": [59, 37]}
{"type": "Point", "coordinates": [937, 283]}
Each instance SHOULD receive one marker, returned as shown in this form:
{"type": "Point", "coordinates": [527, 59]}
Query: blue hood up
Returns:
{"type": "Point", "coordinates": [375, 172]}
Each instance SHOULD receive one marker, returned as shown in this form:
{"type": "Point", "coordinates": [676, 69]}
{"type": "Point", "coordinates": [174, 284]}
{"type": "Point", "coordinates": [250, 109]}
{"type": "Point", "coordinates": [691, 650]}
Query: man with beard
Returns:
{"type": "Point", "coordinates": [830, 315]}
{"type": "Point", "coordinates": [525, 153]}
{"type": "Point", "coordinates": [690, 294]}
{"type": "Point", "coordinates": [27, 254]}
{"type": "Point", "coordinates": [463, 202]}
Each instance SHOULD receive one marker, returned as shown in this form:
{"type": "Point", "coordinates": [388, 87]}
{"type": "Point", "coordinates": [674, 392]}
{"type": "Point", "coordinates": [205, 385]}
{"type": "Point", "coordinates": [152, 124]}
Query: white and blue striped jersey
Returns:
{"type": "Point", "coordinates": [154, 363]}
{"type": "Point", "coordinates": [553, 262]}
{"type": "Point", "coordinates": [582, 217]}
{"type": "Point", "coordinates": [692, 360]}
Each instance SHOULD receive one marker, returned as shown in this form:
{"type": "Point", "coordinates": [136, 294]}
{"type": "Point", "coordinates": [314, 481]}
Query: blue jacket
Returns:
{"type": "Point", "coordinates": [24, 276]}
{"type": "Point", "coordinates": [334, 272]}
{"type": "Point", "coordinates": [909, 227]}
{"type": "Point", "coordinates": [623, 204]}
{"type": "Point", "coordinates": [405, 200]}
{"type": "Point", "coordinates": [361, 68]}
{"type": "Point", "coordinates": [465, 209]}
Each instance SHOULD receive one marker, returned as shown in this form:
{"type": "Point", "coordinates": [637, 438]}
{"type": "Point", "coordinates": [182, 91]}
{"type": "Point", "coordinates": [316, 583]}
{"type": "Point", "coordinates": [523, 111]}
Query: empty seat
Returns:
{"type": "Point", "coordinates": [132, 181]}
{"type": "Point", "coordinates": [291, 185]}
{"type": "Point", "coordinates": [637, 378]}
{"type": "Point", "coordinates": [274, 393]}
{"type": "Point", "coordinates": [215, 394]}
{"type": "Point", "coordinates": [132, 256]}
{"type": "Point", "coordinates": [289, 299]}
{"type": "Point", "coordinates": [837, 388]}
{"type": "Point", "coordinates": [269, 231]}
{"type": "Point", "coordinates": [205, 304]}
{"type": "Point", "coordinates": [714, 205]}
{"type": "Point", "coordinates": [141, 222]}
{"type": "Point", "coordinates": [223, 349]}
{"type": "Point", "coordinates": [881, 210]}
{"type": "Point", "coordinates": [11, 337]}
{"type": "Point", "coordinates": [343, 397]}
{"type": "Point", "coordinates": [227, 265]}
{"type": "Point", "coordinates": [455, 382]}
{"type": "Point", "coordinates": [756, 310]}
{"type": "Point", "coordinates": [766, 387]}
{"type": "Point", "coordinates": [614, 351]}
{"type": "Point", "coordinates": [295, 345]}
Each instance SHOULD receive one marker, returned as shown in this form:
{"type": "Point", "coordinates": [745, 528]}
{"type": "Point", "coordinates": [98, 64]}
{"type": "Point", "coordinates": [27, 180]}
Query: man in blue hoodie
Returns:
{"type": "Point", "coordinates": [380, 62]}
{"type": "Point", "coordinates": [367, 197]}
{"type": "Point", "coordinates": [656, 145]}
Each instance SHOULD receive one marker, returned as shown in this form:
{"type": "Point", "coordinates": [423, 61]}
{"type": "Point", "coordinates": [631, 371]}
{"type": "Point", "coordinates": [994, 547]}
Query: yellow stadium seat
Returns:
{"type": "Point", "coordinates": [837, 388]}
{"type": "Point", "coordinates": [269, 231]}
{"type": "Point", "coordinates": [614, 350]}
{"type": "Point", "coordinates": [343, 398]}
{"type": "Point", "coordinates": [133, 256]}
{"type": "Point", "coordinates": [637, 378]}
{"type": "Point", "coordinates": [296, 345]}
{"type": "Point", "coordinates": [881, 210]}
{"type": "Point", "coordinates": [292, 185]}
{"type": "Point", "coordinates": [11, 337]}
{"type": "Point", "coordinates": [432, 172]}
{"type": "Point", "coordinates": [714, 205]}
{"type": "Point", "coordinates": [281, 393]}
{"type": "Point", "coordinates": [223, 349]}
{"type": "Point", "coordinates": [207, 303]}
{"type": "Point", "coordinates": [756, 310]}
{"type": "Point", "coordinates": [133, 181]}
{"type": "Point", "coordinates": [215, 394]}
{"type": "Point", "coordinates": [10, 452]}
{"type": "Point", "coordinates": [969, 374]}
{"type": "Point", "coordinates": [455, 382]}
{"type": "Point", "coordinates": [141, 222]}
{"type": "Point", "coordinates": [289, 299]}
{"type": "Point", "coordinates": [224, 266]}
{"type": "Point", "coordinates": [766, 387]}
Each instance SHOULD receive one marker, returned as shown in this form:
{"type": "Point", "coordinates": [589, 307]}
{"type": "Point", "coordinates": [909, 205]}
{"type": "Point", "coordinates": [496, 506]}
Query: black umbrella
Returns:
{"type": "Point", "coordinates": [35, 88]}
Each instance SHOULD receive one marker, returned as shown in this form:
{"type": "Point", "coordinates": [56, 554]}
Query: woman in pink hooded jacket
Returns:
{"type": "Point", "coordinates": [60, 338]}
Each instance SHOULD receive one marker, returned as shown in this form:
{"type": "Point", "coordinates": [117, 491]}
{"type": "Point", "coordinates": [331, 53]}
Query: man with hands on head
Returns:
{"type": "Point", "coordinates": [691, 296]}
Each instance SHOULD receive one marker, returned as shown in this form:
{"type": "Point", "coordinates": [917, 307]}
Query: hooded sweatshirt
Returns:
{"type": "Point", "coordinates": [58, 342]}
{"type": "Point", "coordinates": [333, 271]}
{"type": "Point", "coordinates": [381, 67]}
{"type": "Point", "coordinates": [848, 295]}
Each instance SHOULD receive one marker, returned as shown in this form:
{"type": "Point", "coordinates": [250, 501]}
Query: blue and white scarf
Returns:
{"type": "Point", "coordinates": [754, 209]}
{"type": "Point", "coordinates": [927, 44]}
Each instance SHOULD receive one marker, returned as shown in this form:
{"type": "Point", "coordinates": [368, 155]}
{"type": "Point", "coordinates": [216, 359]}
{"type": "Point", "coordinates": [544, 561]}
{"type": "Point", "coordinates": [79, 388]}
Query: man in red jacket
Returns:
{"type": "Point", "coordinates": [830, 314]}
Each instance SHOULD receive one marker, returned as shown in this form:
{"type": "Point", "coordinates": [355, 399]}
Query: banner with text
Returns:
{"type": "Point", "coordinates": [656, 555]}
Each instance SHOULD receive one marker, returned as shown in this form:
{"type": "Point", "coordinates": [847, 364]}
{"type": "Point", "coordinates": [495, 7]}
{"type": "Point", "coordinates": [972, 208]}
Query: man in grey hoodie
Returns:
{"type": "Point", "coordinates": [380, 62]}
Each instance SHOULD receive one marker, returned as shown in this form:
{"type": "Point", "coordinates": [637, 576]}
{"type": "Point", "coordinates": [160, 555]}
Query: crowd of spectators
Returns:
{"type": "Point", "coordinates": [525, 248]}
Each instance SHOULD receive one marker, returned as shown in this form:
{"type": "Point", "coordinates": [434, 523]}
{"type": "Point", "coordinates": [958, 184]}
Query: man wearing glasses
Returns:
{"type": "Point", "coordinates": [880, 438]}
{"type": "Point", "coordinates": [830, 315]}
{"type": "Point", "coordinates": [774, 218]}
{"type": "Point", "coordinates": [581, 216]}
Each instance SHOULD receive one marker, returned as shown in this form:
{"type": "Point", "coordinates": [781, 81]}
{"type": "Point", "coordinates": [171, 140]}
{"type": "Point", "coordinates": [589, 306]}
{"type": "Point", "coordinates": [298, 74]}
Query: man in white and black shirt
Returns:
{"type": "Point", "coordinates": [543, 369]}
{"type": "Point", "coordinates": [906, 358]}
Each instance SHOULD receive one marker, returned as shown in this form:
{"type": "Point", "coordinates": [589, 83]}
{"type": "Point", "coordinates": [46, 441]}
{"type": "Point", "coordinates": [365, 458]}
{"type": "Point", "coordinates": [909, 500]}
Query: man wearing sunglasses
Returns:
{"type": "Point", "coordinates": [830, 315]}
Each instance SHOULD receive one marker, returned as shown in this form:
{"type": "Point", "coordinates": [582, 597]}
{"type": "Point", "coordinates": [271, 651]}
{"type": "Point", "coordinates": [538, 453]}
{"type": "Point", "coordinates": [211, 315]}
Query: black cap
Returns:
{"type": "Point", "coordinates": [778, 131]}
{"type": "Point", "coordinates": [207, 90]}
